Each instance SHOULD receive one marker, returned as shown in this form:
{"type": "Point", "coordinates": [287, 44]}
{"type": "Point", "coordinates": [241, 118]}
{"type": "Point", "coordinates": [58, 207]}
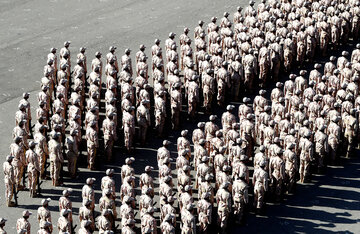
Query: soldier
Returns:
{"type": "Point", "coordinates": [142, 66]}
{"type": "Point", "coordinates": [325, 34]}
{"type": "Point", "coordinates": [208, 85]}
{"type": "Point", "coordinates": [21, 115]}
{"type": "Point", "coordinates": [127, 169]}
{"type": "Point", "coordinates": [96, 62]}
{"type": "Point", "coordinates": [210, 130]}
{"type": "Point", "coordinates": [72, 152]}
{"type": "Point", "coordinates": [160, 112]}
{"type": "Point", "coordinates": [104, 223]}
{"type": "Point", "coordinates": [112, 57]}
{"type": "Point", "coordinates": [66, 204]}
{"type": "Point", "coordinates": [219, 161]}
{"type": "Point", "coordinates": [163, 153]}
{"type": "Point", "coordinates": [56, 158]}
{"type": "Point", "coordinates": [127, 209]}
{"type": "Point", "coordinates": [140, 54]}
{"type": "Point", "coordinates": [23, 223]}
{"type": "Point", "coordinates": [107, 182]}
{"type": "Point", "coordinates": [351, 131]}
{"type": "Point", "coordinates": [321, 146]}
{"type": "Point", "coordinates": [126, 60]}
{"type": "Point", "coordinates": [289, 52]}
{"type": "Point", "coordinates": [109, 129]}
{"type": "Point", "coordinates": [227, 120]}
{"type": "Point", "coordinates": [188, 220]}
{"type": "Point", "coordinates": [222, 77]}
{"type": "Point", "coordinates": [277, 172]}
{"type": "Point", "coordinates": [250, 70]}
{"type": "Point", "coordinates": [156, 48]}
{"type": "Point", "coordinates": [9, 180]}
{"type": "Point", "coordinates": [260, 182]}
{"type": "Point", "coordinates": [306, 156]}
{"type": "Point", "coordinates": [92, 144]}
{"type": "Point", "coordinates": [198, 134]}
{"type": "Point", "coordinates": [79, 70]}
{"type": "Point", "coordinates": [19, 131]}
{"type": "Point", "coordinates": [165, 189]}
{"type": "Point", "coordinates": [49, 73]}
{"type": "Point", "coordinates": [43, 213]}
{"type": "Point", "coordinates": [236, 75]}
{"type": "Point", "coordinates": [165, 169]}
{"type": "Point", "coordinates": [52, 56]}
{"type": "Point", "coordinates": [184, 144]}
{"type": "Point", "coordinates": [193, 96]}
{"type": "Point", "coordinates": [61, 75]}
{"type": "Point", "coordinates": [33, 168]}
{"type": "Point", "coordinates": [143, 120]}
{"type": "Point", "coordinates": [86, 213]}
{"type": "Point", "coordinates": [185, 191]}
{"type": "Point", "coordinates": [85, 227]}
{"type": "Point", "coordinates": [240, 195]}
{"type": "Point", "coordinates": [223, 199]}
{"type": "Point", "coordinates": [25, 102]}
{"type": "Point", "coordinates": [44, 96]}
{"type": "Point", "coordinates": [106, 202]}
{"type": "Point", "coordinates": [204, 210]}
{"type": "Point", "coordinates": [291, 167]}
{"type": "Point", "coordinates": [168, 209]}
{"type": "Point", "coordinates": [42, 112]}
{"type": "Point", "coordinates": [199, 29]}
{"type": "Point", "coordinates": [259, 156]}
{"type": "Point", "coordinates": [247, 132]}
{"type": "Point", "coordinates": [148, 222]}
{"type": "Point", "coordinates": [82, 57]}
{"type": "Point", "coordinates": [65, 50]}
{"type": "Point", "coordinates": [166, 226]}
{"type": "Point", "coordinates": [170, 41]}
{"type": "Point", "coordinates": [19, 162]}
{"type": "Point", "coordinates": [176, 103]}
{"type": "Point", "coordinates": [238, 162]}
{"type": "Point", "coordinates": [181, 160]}
{"type": "Point", "coordinates": [199, 152]}
{"type": "Point", "coordinates": [146, 200]}
{"type": "Point", "coordinates": [127, 187]}
{"type": "Point", "coordinates": [45, 227]}
{"type": "Point", "coordinates": [64, 223]}
{"type": "Point", "coordinates": [128, 122]}
{"type": "Point", "coordinates": [129, 227]}
{"type": "Point", "coordinates": [145, 178]}
{"type": "Point", "coordinates": [88, 192]}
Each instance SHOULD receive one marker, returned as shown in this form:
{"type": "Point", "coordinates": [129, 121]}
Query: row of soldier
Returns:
{"type": "Point", "coordinates": [288, 141]}
{"type": "Point", "coordinates": [345, 71]}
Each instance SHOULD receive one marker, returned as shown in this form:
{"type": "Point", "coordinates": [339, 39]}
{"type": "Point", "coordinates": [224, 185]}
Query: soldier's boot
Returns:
{"type": "Point", "coordinates": [20, 187]}
{"type": "Point", "coordinates": [10, 203]}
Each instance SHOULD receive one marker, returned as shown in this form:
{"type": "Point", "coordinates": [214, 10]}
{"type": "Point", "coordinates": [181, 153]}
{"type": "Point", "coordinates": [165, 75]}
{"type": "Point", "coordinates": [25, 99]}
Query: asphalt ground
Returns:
{"type": "Point", "coordinates": [329, 204]}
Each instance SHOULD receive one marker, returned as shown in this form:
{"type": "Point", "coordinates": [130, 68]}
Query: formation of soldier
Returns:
{"type": "Point", "coordinates": [308, 121]}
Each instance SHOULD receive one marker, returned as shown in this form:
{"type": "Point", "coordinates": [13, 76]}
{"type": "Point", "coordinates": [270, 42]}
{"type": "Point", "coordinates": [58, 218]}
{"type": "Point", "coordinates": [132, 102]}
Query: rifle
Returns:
{"type": "Point", "coordinates": [61, 172]}
{"type": "Point", "coordinates": [24, 176]}
{"type": "Point", "coordinates": [73, 228]}
{"type": "Point", "coordinates": [15, 195]}
{"type": "Point", "coordinates": [39, 183]}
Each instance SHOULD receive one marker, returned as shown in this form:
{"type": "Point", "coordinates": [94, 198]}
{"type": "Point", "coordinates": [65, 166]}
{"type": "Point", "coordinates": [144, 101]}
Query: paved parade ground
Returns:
{"type": "Point", "coordinates": [330, 203]}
